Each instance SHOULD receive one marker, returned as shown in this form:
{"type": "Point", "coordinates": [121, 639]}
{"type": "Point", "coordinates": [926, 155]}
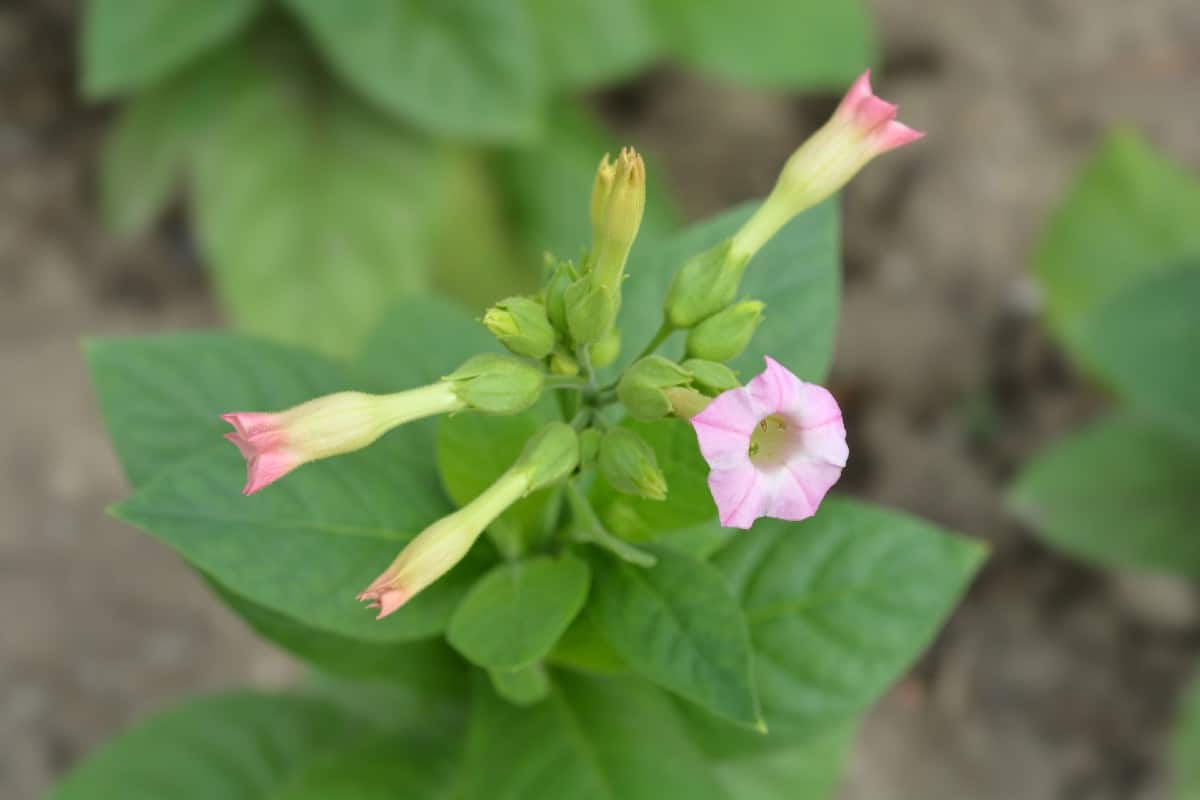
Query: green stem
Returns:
{"type": "Point", "coordinates": [664, 331]}
{"type": "Point", "coordinates": [583, 355]}
{"type": "Point", "coordinates": [592, 531]}
{"type": "Point", "coordinates": [565, 382]}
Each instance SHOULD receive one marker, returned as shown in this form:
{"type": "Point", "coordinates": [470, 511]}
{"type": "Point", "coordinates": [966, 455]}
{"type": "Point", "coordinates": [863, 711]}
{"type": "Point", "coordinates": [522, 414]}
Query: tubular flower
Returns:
{"type": "Point", "coordinates": [862, 127]}
{"type": "Point", "coordinates": [774, 446]}
{"type": "Point", "coordinates": [274, 444]}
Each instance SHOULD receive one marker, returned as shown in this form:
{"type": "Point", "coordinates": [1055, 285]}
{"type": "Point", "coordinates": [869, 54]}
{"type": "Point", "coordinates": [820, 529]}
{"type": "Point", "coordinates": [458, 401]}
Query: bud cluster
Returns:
{"type": "Point", "coordinates": [558, 337]}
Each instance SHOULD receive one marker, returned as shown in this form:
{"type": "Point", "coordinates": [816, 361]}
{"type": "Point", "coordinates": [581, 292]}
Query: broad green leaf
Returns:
{"type": "Point", "coordinates": [523, 686]}
{"type": "Point", "coordinates": [797, 274]}
{"type": "Point", "coordinates": [315, 212]}
{"type": "Point", "coordinates": [1145, 342]}
{"type": "Point", "coordinates": [591, 42]}
{"type": "Point", "coordinates": [429, 707]}
{"type": "Point", "coordinates": [584, 647]}
{"type": "Point", "coordinates": [775, 43]}
{"type": "Point", "coordinates": [428, 666]}
{"type": "Point", "coordinates": [592, 739]}
{"type": "Point", "coordinates": [147, 149]}
{"type": "Point", "coordinates": [305, 546]}
{"type": "Point", "coordinates": [1121, 494]}
{"type": "Point", "coordinates": [838, 607]}
{"type": "Point", "coordinates": [550, 187]}
{"type": "Point", "coordinates": [131, 44]}
{"type": "Point", "coordinates": [379, 770]}
{"type": "Point", "coordinates": [677, 625]}
{"type": "Point", "coordinates": [162, 396]}
{"type": "Point", "coordinates": [515, 614]}
{"type": "Point", "coordinates": [1130, 212]}
{"type": "Point", "coordinates": [460, 68]}
{"type": "Point", "coordinates": [1185, 749]}
{"type": "Point", "coordinates": [811, 770]}
{"type": "Point", "coordinates": [688, 501]}
{"type": "Point", "coordinates": [473, 450]}
{"type": "Point", "coordinates": [236, 746]}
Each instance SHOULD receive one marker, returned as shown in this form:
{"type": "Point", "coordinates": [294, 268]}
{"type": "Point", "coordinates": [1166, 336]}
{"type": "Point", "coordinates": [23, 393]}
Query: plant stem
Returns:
{"type": "Point", "coordinates": [664, 331]}
{"type": "Point", "coordinates": [565, 382]}
{"type": "Point", "coordinates": [591, 530]}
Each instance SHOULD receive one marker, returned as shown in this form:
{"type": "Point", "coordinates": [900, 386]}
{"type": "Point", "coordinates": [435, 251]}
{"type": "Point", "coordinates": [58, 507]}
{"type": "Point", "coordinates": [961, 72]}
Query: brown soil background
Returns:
{"type": "Point", "coordinates": [1052, 681]}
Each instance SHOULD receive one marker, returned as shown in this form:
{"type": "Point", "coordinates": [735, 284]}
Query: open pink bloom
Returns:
{"type": "Point", "coordinates": [263, 442]}
{"type": "Point", "coordinates": [775, 446]}
{"type": "Point", "coordinates": [873, 117]}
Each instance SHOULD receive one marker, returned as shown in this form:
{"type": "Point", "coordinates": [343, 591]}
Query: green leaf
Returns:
{"type": "Point", "coordinates": [1145, 342]}
{"type": "Point", "coordinates": [131, 44]}
{"type": "Point", "coordinates": [379, 770]}
{"type": "Point", "coordinates": [583, 647]}
{"type": "Point", "coordinates": [688, 501]}
{"type": "Point", "coordinates": [773, 43]}
{"type": "Point", "coordinates": [838, 607]}
{"type": "Point", "coordinates": [515, 614]}
{"type": "Point", "coordinates": [461, 68]}
{"type": "Point", "coordinates": [147, 149]}
{"type": "Point", "coordinates": [677, 624]}
{"type": "Point", "coordinates": [811, 770]}
{"type": "Point", "coordinates": [315, 212]}
{"type": "Point", "coordinates": [421, 340]}
{"type": "Point", "coordinates": [162, 396]}
{"type": "Point", "coordinates": [797, 274]}
{"type": "Point", "coordinates": [1130, 212]}
{"type": "Point", "coordinates": [237, 746]}
{"type": "Point", "coordinates": [1185, 749]}
{"type": "Point", "coordinates": [592, 42]}
{"type": "Point", "coordinates": [550, 186]}
{"type": "Point", "coordinates": [1121, 493]}
{"type": "Point", "coordinates": [523, 686]}
{"type": "Point", "coordinates": [592, 739]}
{"type": "Point", "coordinates": [305, 546]}
{"type": "Point", "coordinates": [428, 665]}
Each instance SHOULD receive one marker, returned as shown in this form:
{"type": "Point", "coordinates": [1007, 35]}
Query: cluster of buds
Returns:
{"type": "Point", "coordinates": [775, 446]}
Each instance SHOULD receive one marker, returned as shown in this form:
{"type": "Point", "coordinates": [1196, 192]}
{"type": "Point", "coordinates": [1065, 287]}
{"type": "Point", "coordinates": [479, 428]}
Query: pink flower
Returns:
{"type": "Point", "coordinates": [263, 442]}
{"type": "Point", "coordinates": [873, 117]}
{"type": "Point", "coordinates": [775, 447]}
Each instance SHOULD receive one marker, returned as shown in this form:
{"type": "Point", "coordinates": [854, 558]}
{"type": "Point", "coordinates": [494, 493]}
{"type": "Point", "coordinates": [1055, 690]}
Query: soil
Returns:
{"type": "Point", "coordinates": [1052, 681]}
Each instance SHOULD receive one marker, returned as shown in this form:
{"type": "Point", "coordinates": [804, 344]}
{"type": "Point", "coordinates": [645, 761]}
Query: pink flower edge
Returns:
{"type": "Point", "coordinates": [875, 117]}
{"type": "Point", "coordinates": [813, 452]}
{"type": "Point", "coordinates": [263, 443]}
{"type": "Point", "coordinates": [383, 597]}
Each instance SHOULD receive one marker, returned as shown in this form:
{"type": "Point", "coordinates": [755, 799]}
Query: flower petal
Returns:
{"type": "Point", "coordinates": [774, 390]}
{"type": "Point", "coordinates": [740, 494]}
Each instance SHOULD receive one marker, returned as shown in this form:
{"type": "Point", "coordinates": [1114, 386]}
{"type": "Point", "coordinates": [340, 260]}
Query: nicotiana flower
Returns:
{"type": "Point", "coordinates": [775, 447]}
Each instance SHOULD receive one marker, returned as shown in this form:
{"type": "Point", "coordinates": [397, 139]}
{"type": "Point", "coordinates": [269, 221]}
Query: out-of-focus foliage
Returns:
{"type": "Point", "coordinates": [1186, 749]}
{"type": "Point", "coordinates": [343, 155]}
{"type": "Point", "coordinates": [1120, 265]}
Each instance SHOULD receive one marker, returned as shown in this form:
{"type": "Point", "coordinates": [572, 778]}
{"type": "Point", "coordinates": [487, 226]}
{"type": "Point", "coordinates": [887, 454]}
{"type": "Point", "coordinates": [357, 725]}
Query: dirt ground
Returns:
{"type": "Point", "coordinates": [1052, 681]}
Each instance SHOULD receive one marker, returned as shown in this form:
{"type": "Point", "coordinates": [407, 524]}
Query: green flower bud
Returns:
{"type": "Point", "coordinates": [711, 376]}
{"type": "Point", "coordinates": [686, 403]}
{"type": "Point", "coordinates": [630, 466]}
{"type": "Point", "coordinates": [641, 388]}
{"type": "Point", "coordinates": [549, 456]}
{"type": "Point", "coordinates": [605, 351]}
{"type": "Point", "coordinates": [556, 286]}
{"type": "Point", "coordinates": [522, 326]}
{"type": "Point", "coordinates": [589, 446]}
{"type": "Point", "coordinates": [495, 384]}
{"type": "Point", "coordinates": [591, 309]}
{"type": "Point", "coordinates": [704, 285]}
{"type": "Point", "coordinates": [618, 201]}
{"type": "Point", "coordinates": [724, 335]}
{"type": "Point", "coordinates": [563, 363]}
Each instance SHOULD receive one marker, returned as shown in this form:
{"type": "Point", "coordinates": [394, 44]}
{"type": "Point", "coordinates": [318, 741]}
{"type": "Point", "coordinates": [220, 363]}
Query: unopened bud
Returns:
{"type": "Point", "coordinates": [591, 309]}
{"type": "Point", "coordinates": [605, 351]}
{"type": "Point", "coordinates": [275, 443]}
{"type": "Point", "coordinates": [618, 201]}
{"type": "Point", "coordinates": [705, 284]}
{"type": "Point", "coordinates": [710, 376]}
{"type": "Point", "coordinates": [561, 276]}
{"type": "Point", "coordinates": [563, 363]}
{"type": "Point", "coordinates": [522, 326]}
{"type": "Point", "coordinates": [641, 388]}
{"type": "Point", "coordinates": [551, 455]}
{"type": "Point", "coordinates": [724, 335]}
{"type": "Point", "coordinates": [602, 186]}
{"type": "Point", "coordinates": [630, 465]}
{"type": "Point", "coordinates": [496, 384]}
{"type": "Point", "coordinates": [686, 403]}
